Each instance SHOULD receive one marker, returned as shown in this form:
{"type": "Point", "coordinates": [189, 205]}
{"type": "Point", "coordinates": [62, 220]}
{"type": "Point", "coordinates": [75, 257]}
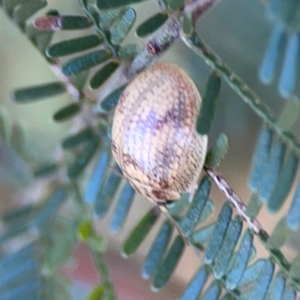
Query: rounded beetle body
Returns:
{"type": "Point", "coordinates": [154, 139]}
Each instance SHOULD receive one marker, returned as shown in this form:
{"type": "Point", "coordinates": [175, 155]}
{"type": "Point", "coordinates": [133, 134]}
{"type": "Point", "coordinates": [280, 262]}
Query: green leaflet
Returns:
{"type": "Point", "coordinates": [276, 289]}
{"type": "Point", "coordinates": [44, 170]}
{"type": "Point", "coordinates": [55, 23]}
{"type": "Point", "coordinates": [284, 183]}
{"type": "Point", "coordinates": [168, 265]}
{"type": "Point", "coordinates": [263, 280]}
{"type": "Point", "coordinates": [41, 39]}
{"type": "Point", "coordinates": [85, 230]}
{"type": "Point", "coordinates": [175, 4]}
{"type": "Point", "coordinates": [67, 112]}
{"type": "Point", "coordinates": [20, 216]}
{"type": "Point", "coordinates": [209, 103]}
{"type": "Point", "coordinates": [110, 101]}
{"type": "Point", "coordinates": [23, 12]}
{"type": "Point", "coordinates": [252, 272]}
{"type": "Point", "coordinates": [9, 5]}
{"type": "Point", "coordinates": [108, 4]}
{"type": "Point", "coordinates": [5, 125]}
{"type": "Point", "coordinates": [280, 234]}
{"type": "Point", "coordinates": [290, 114]}
{"type": "Point", "coordinates": [157, 250]}
{"type": "Point", "coordinates": [218, 234]}
{"type": "Point", "coordinates": [129, 51]}
{"type": "Point", "coordinates": [187, 24]}
{"type": "Point", "coordinates": [289, 294]}
{"type": "Point", "coordinates": [76, 168]}
{"type": "Point", "coordinates": [30, 94]}
{"type": "Point", "coordinates": [202, 235]}
{"type": "Point", "coordinates": [139, 233]}
{"type": "Point", "coordinates": [85, 62]}
{"type": "Point", "coordinates": [78, 138]}
{"type": "Point", "coordinates": [49, 208]}
{"type": "Point", "coordinates": [107, 17]}
{"type": "Point", "coordinates": [123, 206]}
{"type": "Point", "coordinates": [239, 261]}
{"type": "Point", "coordinates": [254, 206]}
{"type": "Point", "coordinates": [107, 192]}
{"type": "Point", "coordinates": [63, 239]}
{"type": "Point", "coordinates": [103, 74]}
{"type": "Point", "coordinates": [97, 293]}
{"type": "Point", "coordinates": [213, 292]}
{"type": "Point", "coordinates": [217, 151]}
{"type": "Point", "coordinates": [260, 159]}
{"type": "Point", "coordinates": [192, 217]}
{"type": "Point", "coordinates": [79, 80]}
{"type": "Point", "coordinates": [293, 216]}
{"type": "Point", "coordinates": [295, 267]}
{"type": "Point", "coordinates": [18, 139]}
{"type": "Point", "coordinates": [226, 250]}
{"type": "Point", "coordinates": [122, 26]}
{"type": "Point", "coordinates": [195, 285]}
{"type": "Point", "coordinates": [151, 24]}
{"type": "Point", "coordinates": [97, 177]}
{"type": "Point", "coordinates": [272, 169]}
{"type": "Point", "coordinates": [74, 45]}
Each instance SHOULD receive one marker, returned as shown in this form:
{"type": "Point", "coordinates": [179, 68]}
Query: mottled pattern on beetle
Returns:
{"type": "Point", "coordinates": [153, 136]}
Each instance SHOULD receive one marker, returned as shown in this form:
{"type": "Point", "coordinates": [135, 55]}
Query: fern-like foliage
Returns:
{"type": "Point", "coordinates": [231, 264]}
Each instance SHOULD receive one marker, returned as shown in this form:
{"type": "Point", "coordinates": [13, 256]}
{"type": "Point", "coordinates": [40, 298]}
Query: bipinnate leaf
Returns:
{"type": "Point", "coordinates": [74, 45]}
{"type": "Point", "coordinates": [34, 93]}
{"type": "Point", "coordinates": [139, 232]}
{"type": "Point", "coordinates": [217, 152]}
{"type": "Point", "coordinates": [151, 24]}
{"type": "Point", "coordinates": [157, 250]}
{"type": "Point", "coordinates": [209, 103]}
{"type": "Point", "coordinates": [167, 266]}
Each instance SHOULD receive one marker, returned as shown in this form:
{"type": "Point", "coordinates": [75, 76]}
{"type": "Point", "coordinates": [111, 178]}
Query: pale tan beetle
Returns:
{"type": "Point", "coordinates": [154, 140]}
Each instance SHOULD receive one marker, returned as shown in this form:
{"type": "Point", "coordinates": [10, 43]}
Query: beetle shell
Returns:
{"type": "Point", "coordinates": [154, 140]}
